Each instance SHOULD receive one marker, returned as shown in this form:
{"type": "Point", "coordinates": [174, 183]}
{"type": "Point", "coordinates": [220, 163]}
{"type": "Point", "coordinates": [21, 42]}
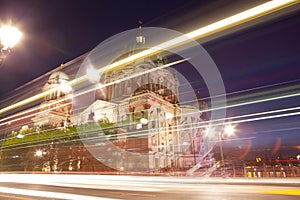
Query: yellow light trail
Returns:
{"type": "Point", "coordinates": [284, 191]}
{"type": "Point", "coordinates": [151, 70]}
{"type": "Point", "coordinates": [34, 114]}
{"type": "Point", "coordinates": [33, 109]}
{"type": "Point", "coordinates": [78, 94]}
{"type": "Point", "coordinates": [229, 22]}
{"type": "Point", "coordinates": [4, 120]}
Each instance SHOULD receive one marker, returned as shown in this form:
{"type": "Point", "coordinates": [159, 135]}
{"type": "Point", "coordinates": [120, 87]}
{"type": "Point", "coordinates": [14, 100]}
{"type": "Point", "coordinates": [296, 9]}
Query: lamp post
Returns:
{"type": "Point", "coordinates": [228, 130]}
{"type": "Point", "coordinates": [9, 37]}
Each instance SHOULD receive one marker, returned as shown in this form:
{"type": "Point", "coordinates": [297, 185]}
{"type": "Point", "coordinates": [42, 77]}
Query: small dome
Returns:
{"type": "Point", "coordinates": [60, 75]}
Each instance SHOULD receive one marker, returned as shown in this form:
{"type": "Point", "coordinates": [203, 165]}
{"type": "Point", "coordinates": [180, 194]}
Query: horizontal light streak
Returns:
{"type": "Point", "coordinates": [28, 100]}
{"type": "Point", "coordinates": [264, 113]}
{"type": "Point", "coordinates": [129, 77]}
{"type": "Point", "coordinates": [34, 114]}
{"type": "Point", "coordinates": [234, 20]}
{"type": "Point", "coordinates": [47, 194]}
{"type": "Point", "coordinates": [158, 184]}
{"type": "Point", "coordinates": [84, 92]}
{"type": "Point", "coordinates": [264, 118]}
{"type": "Point", "coordinates": [255, 101]}
{"type": "Point", "coordinates": [145, 72]}
{"type": "Point", "coordinates": [226, 23]}
{"type": "Point", "coordinates": [242, 17]}
{"type": "Point", "coordinates": [295, 86]}
{"type": "Point", "coordinates": [208, 110]}
{"type": "Point", "coordinates": [49, 104]}
{"type": "Point", "coordinates": [93, 180]}
{"type": "Point", "coordinates": [203, 124]}
{"type": "Point", "coordinates": [248, 103]}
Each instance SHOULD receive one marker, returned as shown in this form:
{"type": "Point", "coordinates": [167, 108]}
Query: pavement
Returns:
{"type": "Point", "coordinates": [66, 186]}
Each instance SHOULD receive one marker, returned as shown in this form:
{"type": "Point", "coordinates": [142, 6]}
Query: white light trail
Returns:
{"type": "Point", "coordinates": [205, 125]}
{"type": "Point", "coordinates": [78, 94]}
{"type": "Point", "coordinates": [47, 194]}
{"type": "Point", "coordinates": [129, 77]}
{"type": "Point", "coordinates": [286, 88]}
{"type": "Point", "coordinates": [31, 115]}
{"type": "Point", "coordinates": [255, 101]}
{"type": "Point", "coordinates": [154, 184]}
{"type": "Point", "coordinates": [29, 100]}
{"type": "Point", "coordinates": [132, 76]}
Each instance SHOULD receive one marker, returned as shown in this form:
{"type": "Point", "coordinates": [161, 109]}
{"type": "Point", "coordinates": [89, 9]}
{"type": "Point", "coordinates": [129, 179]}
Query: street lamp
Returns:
{"type": "Point", "coordinates": [9, 37]}
{"type": "Point", "coordinates": [38, 153]}
{"type": "Point", "coordinates": [229, 131]}
{"type": "Point", "coordinates": [20, 136]}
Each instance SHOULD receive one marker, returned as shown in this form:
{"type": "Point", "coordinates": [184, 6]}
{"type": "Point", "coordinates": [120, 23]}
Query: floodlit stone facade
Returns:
{"type": "Point", "coordinates": [147, 106]}
{"type": "Point", "coordinates": [139, 110]}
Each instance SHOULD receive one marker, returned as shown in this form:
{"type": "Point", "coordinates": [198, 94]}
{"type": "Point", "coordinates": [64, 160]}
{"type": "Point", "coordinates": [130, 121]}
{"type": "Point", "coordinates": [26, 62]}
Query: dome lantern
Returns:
{"type": "Point", "coordinates": [140, 39]}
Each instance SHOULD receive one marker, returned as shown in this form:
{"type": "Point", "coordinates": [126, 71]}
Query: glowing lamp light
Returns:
{"type": "Point", "coordinates": [38, 153]}
{"type": "Point", "coordinates": [9, 36]}
{"type": "Point", "coordinates": [65, 88]}
{"type": "Point", "coordinates": [20, 136]}
{"type": "Point", "coordinates": [139, 126]}
{"type": "Point", "coordinates": [229, 130]}
{"type": "Point", "coordinates": [210, 132]}
{"type": "Point", "coordinates": [169, 115]}
{"type": "Point", "coordinates": [93, 75]}
{"type": "Point", "coordinates": [144, 121]}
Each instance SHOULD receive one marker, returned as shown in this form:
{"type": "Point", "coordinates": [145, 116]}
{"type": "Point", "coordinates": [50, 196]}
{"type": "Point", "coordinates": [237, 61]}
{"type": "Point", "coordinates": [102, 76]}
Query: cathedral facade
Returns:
{"type": "Point", "coordinates": [137, 107]}
{"type": "Point", "coordinates": [145, 105]}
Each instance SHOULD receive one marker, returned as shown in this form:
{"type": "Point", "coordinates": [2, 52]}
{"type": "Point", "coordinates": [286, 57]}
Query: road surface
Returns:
{"type": "Point", "coordinates": [102, 187]}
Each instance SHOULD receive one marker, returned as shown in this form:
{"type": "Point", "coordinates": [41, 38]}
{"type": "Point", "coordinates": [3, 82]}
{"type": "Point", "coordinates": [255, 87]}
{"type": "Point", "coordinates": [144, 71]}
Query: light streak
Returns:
{"type": "Point", "coordinates": [29, 100]}
{"type": "Point", "coordinates": [34, 114]}
{"type": "Point", "coordinates": [229, 106]}
{"type": "Point", "coordinates": [32, 110]}
{"type": "Point", "coordinates": [255, 101]}
{"type": "Point", "coordinates": [234, 20]}
{"type": "Point", "coordinates": [296, 86]}
{"type": "Point", "coordinates": [263, 113]}
{"type": "Point", "coordinates": [265, 117]}
{"type": "Point", "coordinates": [234, 105]}
{"type": "Point", "coordinates": [152, 70]}
{"type": "Point", "coordinates": [129, 77]}
{"type": "Point", "coordinates": [154, 184]}
{"type": "Point", "coordinates": [47, 194]}
{"type": "Point", "coordinates": [202, 124]}
{"type": "Point", "coordinates": [199, 125]}
{"type": "Point", "coordinates": [247, 103]}
{"type": "Point", "coordinates": [226, 23]}
{"type": "Point", "coordinates": [81, 93]}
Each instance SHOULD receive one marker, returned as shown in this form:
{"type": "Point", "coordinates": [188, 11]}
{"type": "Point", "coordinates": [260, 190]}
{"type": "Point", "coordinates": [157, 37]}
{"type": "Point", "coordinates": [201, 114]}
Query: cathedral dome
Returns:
{"type": "Point", "coordinates": [58, 81]}
{"type": "Point", "coordinates": [59, 75]}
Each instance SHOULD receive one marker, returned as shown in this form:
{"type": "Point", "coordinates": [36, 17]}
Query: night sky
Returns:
{"type": "Point", "coordinates": [56, 32]}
